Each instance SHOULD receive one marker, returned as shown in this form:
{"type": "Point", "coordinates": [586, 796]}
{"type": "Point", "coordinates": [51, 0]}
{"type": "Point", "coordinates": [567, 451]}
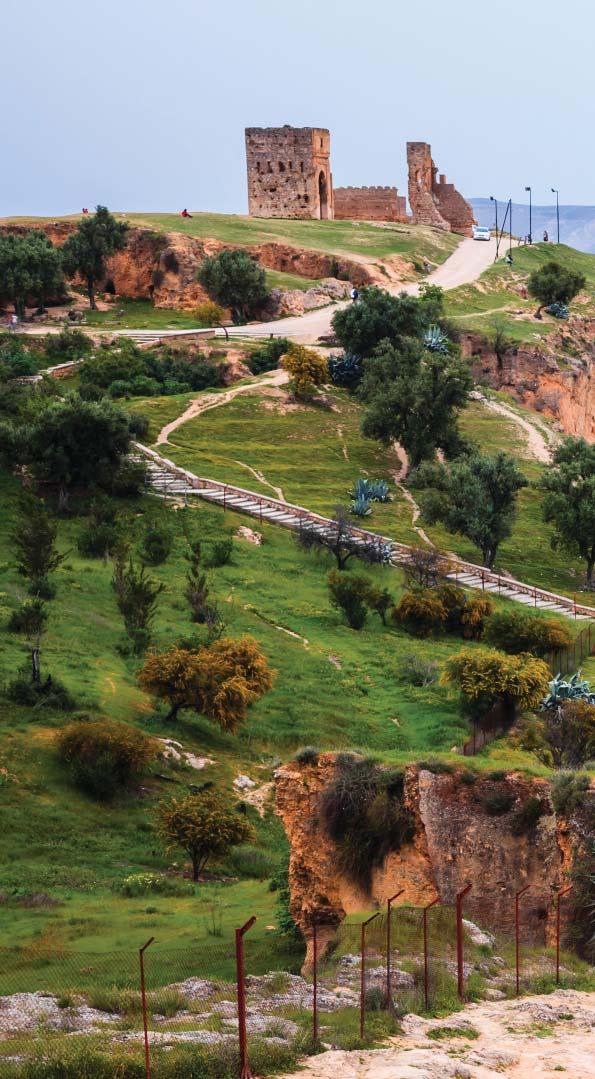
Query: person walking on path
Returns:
{"type": "Point", "coordinates": [354, 294]}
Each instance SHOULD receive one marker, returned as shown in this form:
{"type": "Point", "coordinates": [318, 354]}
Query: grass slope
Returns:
{"type": "Point", "coordinates": [360, 238]}
{"type": "Point", "coordinates": [497, 294]}
{"type": "Point", "coordinates": [314, 456]}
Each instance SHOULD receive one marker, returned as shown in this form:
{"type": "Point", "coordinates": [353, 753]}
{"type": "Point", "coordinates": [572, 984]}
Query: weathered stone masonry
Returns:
{"type": "Point", "coordinates": [433, 201]}
{"type": "Point", "coordinates": [370, 204]}
{"type": "Point", "coordinates": [289, 172]}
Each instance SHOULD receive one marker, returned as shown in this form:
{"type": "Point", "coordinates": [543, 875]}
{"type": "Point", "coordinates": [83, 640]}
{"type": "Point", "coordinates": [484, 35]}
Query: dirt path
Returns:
{"type": "Point", "coordinates": [213, 400]}
{"type": "Point", "coordinates": [399, 478]}
{"type": "Point", "coordinates": [539, 439]}
{"type": "Point", "coordinates": [258, 475]}
{"type": "Point", "coordinates": [530, 1038]}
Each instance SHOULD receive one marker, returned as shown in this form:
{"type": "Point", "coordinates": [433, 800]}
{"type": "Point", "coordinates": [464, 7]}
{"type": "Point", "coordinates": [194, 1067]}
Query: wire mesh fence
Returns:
{"type": "Point", "coordinates": [217, 1010]}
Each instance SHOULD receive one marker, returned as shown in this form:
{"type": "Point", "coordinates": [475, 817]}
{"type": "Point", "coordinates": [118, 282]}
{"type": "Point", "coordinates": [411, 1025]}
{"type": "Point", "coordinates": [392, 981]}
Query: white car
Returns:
{"type": "Point", "coordinates": [482, 232]}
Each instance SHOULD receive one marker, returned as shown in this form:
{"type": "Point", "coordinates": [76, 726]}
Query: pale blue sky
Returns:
{"type": "Point", "coordinates": [141, 104]}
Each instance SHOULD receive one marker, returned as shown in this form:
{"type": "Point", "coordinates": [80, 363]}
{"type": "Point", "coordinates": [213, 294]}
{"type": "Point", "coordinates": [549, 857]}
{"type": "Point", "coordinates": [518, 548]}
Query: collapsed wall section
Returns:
{"type": "Point", "coordinates": [433, 201]}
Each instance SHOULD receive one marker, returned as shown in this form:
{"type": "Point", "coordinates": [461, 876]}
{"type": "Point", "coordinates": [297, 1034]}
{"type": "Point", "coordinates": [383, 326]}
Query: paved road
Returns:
{"type": "Point", "coordinates": [466, 264]}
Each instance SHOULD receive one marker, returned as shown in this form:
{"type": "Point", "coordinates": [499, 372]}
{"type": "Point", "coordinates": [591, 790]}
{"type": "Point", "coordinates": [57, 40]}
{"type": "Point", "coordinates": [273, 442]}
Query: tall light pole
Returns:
{"type": "Point", "coordinates": [530, 215]}
{"type": "Point", "coordinates": [557, 194]}
{"type": "Point", "coordinates": [495, 201]}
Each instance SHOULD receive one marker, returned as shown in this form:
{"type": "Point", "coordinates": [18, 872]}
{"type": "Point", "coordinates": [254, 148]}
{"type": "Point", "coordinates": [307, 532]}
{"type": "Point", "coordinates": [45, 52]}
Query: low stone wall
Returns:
{"type": "Point", "coordinates": [370, 204]}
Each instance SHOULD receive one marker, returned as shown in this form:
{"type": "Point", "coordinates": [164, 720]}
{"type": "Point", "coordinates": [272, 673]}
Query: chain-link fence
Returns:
{"type": "Point", "coordinates": [218, 1010]}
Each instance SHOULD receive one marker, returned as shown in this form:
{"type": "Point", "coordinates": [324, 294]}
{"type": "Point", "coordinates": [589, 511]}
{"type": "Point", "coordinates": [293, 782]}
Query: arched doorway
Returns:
{"type": "Point", "coordinates": [323, 197]}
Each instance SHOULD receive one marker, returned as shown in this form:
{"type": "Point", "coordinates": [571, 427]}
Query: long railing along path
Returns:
{"type": "Point", "coordinates": [170, 480]}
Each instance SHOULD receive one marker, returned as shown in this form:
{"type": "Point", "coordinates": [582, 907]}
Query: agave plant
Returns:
{"type": "Point", "coordinates": [435, 340]}
{"type": "Point", "coordinates": [562, 690]}
{"type": "Point", "coordinates": [345, 370]}
{"type": "Point", "coordinates": [370, 490]}
{"type": "Point", "coordinates": [360, 507]}
{"type": "Point", "coordinates": [558, 310]}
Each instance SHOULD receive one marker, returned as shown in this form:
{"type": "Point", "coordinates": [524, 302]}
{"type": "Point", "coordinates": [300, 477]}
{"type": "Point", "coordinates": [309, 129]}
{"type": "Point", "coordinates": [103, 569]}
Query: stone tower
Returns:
{"type": "Point", "coordinates": [432, 200]}
{"type": "Point", "coordinates": [289, 172]}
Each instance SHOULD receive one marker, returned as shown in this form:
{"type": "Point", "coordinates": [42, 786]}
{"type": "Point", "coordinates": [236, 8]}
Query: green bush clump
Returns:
{"type": "Point", "coordinates": [266, 358]}
{"type": "Point", "coordinates": [30, 618]}
{"type": "Point", "coordinates": [51, 693]}
{"type": "Point", "coordinates": [103, 756]}
{"type": "Point", "coordinates": [436, 766]}
{"type": "Point", "coordinates": [515, 632]}
{"type": "Point", "coordinates": [219, 553]}
{"type": "Point", "coordinates": [526, 818]}
{"type": "Point", "coordinates": [156, 544]}
{"type": "Point", "coordinates": [569, 791]}
{"type": "Point", "coordinates": [420, 613]}
{"type": "Point", "coordinates": [307, 755]}
{"type": "Point", "coordinates": [129, 371]}
{"type": "Point", "coordinates": [363, 812]}
{"type": "Point", "coordinates": [66, 346]}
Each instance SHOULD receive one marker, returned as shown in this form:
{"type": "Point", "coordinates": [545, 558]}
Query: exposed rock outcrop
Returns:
{"type": "Point", "coordinates": [455, 842]}
{"type": "Point", "coordinates": [555, 376]}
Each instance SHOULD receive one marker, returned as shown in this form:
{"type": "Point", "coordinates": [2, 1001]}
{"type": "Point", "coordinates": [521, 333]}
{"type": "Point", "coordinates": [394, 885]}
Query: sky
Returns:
{"type": "Point", "coordinates": [142, 104]}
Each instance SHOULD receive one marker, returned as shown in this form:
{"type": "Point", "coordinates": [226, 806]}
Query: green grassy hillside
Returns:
{"type": "Point", "coordinates": [360, 238]}
{"type": "Point", "coordinates": [313, 456]}
{"type": "Point", "coordinates": [498, 293]}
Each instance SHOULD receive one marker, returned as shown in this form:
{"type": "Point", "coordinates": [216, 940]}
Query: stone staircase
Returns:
{"type": "Point", "coordinates": [168, 480]}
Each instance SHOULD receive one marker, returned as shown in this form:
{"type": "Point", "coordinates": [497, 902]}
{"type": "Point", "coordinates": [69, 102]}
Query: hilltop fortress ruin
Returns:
{"type": "Point", "coordinates": [289, 176]}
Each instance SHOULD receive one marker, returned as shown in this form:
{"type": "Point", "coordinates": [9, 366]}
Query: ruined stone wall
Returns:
{"type": "Point", "coordinates": [289, 173]}
{"type": "Point", "coordinates": [369, 204]}
{"type": "Point", "coordinates": [455, 841]}
{"type": "Point", "coordinates": [434, 201]}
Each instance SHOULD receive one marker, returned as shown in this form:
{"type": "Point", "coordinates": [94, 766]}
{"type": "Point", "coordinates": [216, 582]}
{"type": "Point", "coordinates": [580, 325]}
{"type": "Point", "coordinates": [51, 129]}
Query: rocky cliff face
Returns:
{"type": "Point", "coordinates": [555, 376]}
{"type": "Point", "coordinates": [162, 267]}
{"type": "Point", "coordinates": [455, 842]}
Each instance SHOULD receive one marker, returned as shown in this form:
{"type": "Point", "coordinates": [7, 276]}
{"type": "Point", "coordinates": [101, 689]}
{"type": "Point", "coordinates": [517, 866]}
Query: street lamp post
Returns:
{"type": "Point", "coordinates": [557, 194]}
{"type": "Point", "coordinates": [495, 201]}
{"type": "Point", "coordinates": [530, 215]}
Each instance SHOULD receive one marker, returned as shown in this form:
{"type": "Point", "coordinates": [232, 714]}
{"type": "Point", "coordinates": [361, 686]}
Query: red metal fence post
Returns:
{"type": "Point", "coordinates": [426, 971]}
{"type": "Point", "coordinates": [460, 956]}
{"type": "Point", "coordinates": [389, 902]}
{"type": "Point", "coordinates": [141, 956]}
{"type": "Point", "coordinates": [561, 893]}
{"type": "Point", "coordinates": [245, 1069]}
{"type": "Point", "coordinates": [362, 1003]}
{"type": "Point", "coordinates": [315, 985]}
{"type": "Point", "coordinates": [517, 939]}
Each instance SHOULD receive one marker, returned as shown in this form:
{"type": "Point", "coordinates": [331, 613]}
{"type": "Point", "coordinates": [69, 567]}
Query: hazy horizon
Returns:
{"type": "Point", "coordinates": [144, 107]}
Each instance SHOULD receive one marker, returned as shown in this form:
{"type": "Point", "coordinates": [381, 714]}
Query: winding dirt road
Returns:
{"type": "Point", "coordinates": [208, 401]}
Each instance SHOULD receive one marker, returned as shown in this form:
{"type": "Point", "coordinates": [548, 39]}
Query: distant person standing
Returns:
{"type": "Point", "coordinates": [354, 294]}
{"type": "Point", "coordinates": [546, 238]}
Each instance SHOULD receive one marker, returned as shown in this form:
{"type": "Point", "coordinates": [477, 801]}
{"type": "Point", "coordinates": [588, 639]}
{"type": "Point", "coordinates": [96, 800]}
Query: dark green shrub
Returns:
{"type": "Point", "coordinates": [67, 346]}
{"type": "Point", "coordinates": [50, 693]}
{"type": "Point", "coordinates": [156, 544]}
{"type": "Point", "coordinates": [126, 480]}
{"type": "Point", "coordinates": [363, 812]}
{"type": "Point", "coordinates": [143, 386]}
{"type": "Point", "coordinates": [515, 632]}
{"type": "Point", "coordinates": [349, 593]}
{"type": "Point", "coordinates": [526, 818]}
{"type": "Point", "coordinates": [497, 803]}
{"type": "Point", "coordinates": [307, 755]}
{"type": "Point", "coordinates": [219, 553]}
{"type": "Point", "coordinates": [569, 791]}
{"type": "Point", "coordinates": [267, 357]}
{"type": "Point", "coordinates": [103, 756]}
{"type": "Point", "coordinates": [420, 613]}
{"type": "Point", "coordinates": [98, 540]}
{"type": "Point", "coordinates": [30, 618]}
{"type": "Point", "coordinates": [468, 777]}
{"type": "Point", "coordinates": [376, 999]}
